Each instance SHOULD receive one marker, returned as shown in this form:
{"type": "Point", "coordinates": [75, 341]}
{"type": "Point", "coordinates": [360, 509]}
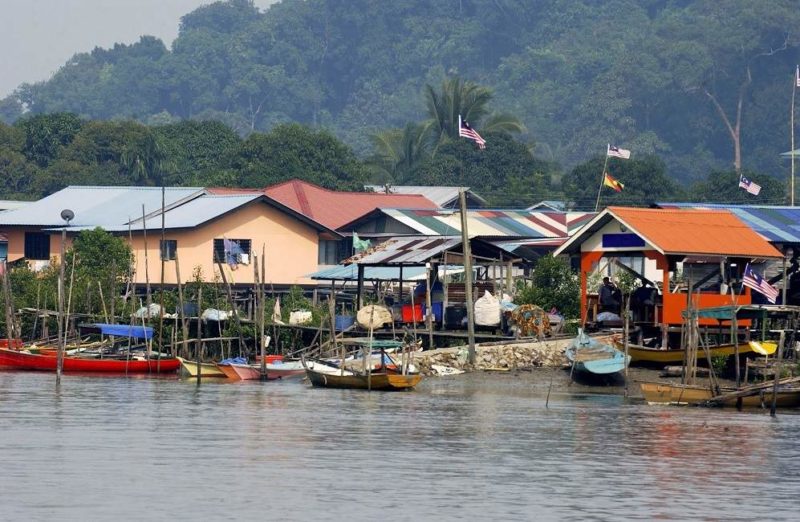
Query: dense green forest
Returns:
{"type": "Point", "coordinates": [343, 93]}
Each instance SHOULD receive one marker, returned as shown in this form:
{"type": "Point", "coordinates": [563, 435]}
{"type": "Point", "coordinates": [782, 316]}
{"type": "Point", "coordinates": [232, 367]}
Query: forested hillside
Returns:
{"type": "Point", "coordinates": [692, 87]}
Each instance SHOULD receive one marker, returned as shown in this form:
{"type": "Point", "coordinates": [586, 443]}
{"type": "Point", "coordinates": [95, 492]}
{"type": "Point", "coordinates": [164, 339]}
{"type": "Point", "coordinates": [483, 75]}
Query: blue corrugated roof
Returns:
{"type": "Point", "coordinates": [775, 224]}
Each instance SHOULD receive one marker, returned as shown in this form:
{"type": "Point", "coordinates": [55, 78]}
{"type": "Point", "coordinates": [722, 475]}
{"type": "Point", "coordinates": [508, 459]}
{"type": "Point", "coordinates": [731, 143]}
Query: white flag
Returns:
{"type": "Point", "coordinates": [616, 152]}
{"type": "Point", "coordinates": [797, 76]}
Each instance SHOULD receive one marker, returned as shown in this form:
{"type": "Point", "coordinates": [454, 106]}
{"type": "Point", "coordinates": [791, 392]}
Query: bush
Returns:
{"type": "Point", "coordinates": [554, 285]}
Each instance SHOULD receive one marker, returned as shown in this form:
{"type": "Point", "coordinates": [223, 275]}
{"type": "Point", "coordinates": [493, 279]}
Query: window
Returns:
{"type": "Point", "coordinates": [219, 250]}
{"type": "Point", "coordinates": [330, 252]}
{"type": "Point", "coordinates": [168, 249]}
{"type": "Point", "coordinates": [37, 246]}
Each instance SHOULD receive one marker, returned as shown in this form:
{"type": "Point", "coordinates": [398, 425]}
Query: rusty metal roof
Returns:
{"type": "Point", "coordinates": [415, 250]}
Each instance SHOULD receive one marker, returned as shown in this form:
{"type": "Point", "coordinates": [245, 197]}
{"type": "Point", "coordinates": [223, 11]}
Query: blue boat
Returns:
{"type": "Point", "coordinates": [593, 355]}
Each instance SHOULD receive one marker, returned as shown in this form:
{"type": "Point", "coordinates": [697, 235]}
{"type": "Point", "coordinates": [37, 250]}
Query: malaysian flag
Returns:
{"type": "Point", "coordinates": [616, 152]}
{"type": "Point", "coordinates": [759, 284]}
{"type": "Point", "coordinates": [750, 186]}
{"type": "Point", "coordinates": [465, 131]}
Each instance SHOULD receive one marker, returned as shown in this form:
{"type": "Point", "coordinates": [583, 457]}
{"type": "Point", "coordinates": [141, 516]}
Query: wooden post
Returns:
{"type": "Point", "coordinates": [428, 305]}
{"type": "Point", "coordinates": [161, 254]}
{"type": "Point", "coordinates": [148, 295]}
{"type": "Point", "coordinates": [199, 332]}
{"type": "Point", "coordinates": [467, 250]}
{"type": "Point", "coordinates": [181, 311]}
{"type": "Point", "coordinates": [233, 307]}
{"type": "Point", "coordinates": [60, 357]}
{"type": "Point", "coordinates": [777, 374]}
{"type": "Point", "coordinates": [9, 307]}
{"type": "Point", "coordinates": [360, 288]}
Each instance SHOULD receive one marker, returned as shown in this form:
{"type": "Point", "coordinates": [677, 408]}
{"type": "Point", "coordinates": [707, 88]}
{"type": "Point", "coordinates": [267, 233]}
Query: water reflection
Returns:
{"type": "Point", "coordinates": [463, 447]}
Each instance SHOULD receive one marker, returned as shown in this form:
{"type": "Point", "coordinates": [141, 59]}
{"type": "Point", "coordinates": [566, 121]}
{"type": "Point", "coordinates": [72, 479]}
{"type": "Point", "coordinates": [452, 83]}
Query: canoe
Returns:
{"type": "Point", "coordinates": [16, 360]}
{"type": "Point", "coordinates": [376, 381]}
{"type": "Point", "coordinates": [248, 372]}
{"type": "Point", "coordinates": [595, 355]}
{"type": "Point", "coordinates": [189, 369]}
{"type": "Point", "coordinates": [684, 394]}
{"type": "Point", "coordinates": [644, 354]}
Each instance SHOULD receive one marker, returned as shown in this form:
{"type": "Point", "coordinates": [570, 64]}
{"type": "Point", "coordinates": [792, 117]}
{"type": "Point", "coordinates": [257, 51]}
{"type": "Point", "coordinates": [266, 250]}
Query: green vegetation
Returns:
{"type": "Point", "coordinates": [343, 93]}
{"type": "Point", "coordinates": [554, 285]}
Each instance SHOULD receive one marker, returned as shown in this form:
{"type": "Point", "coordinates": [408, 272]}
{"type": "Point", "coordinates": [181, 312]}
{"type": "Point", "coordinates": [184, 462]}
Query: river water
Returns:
{"type": "Point", "coordinates": [457, 448]}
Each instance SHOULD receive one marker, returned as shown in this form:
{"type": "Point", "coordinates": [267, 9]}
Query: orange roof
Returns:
{"type": "Point", "coordinates": [335, 209]}
{"type": "Point", "coordinates": [699, 232]}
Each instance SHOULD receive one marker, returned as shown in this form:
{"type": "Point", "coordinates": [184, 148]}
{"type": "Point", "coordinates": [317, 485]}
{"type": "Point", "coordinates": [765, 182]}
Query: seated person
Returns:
{"type": "Point", "coordinates": [609, 296]}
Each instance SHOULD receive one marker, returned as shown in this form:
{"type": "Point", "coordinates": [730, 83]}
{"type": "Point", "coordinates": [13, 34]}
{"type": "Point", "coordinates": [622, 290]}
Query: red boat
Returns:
{"type": "Point", "coordinates": [15, 360]}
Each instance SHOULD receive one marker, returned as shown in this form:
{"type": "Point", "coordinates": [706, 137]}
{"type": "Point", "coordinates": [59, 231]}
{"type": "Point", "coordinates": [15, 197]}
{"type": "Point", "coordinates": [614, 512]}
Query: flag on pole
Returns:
{"type": "Point", "coordinates": [754, 280]}
{"type": "Point", "coordinates": [360, 245]}
{"type": "Point", "coordinates": [610, 182]}
{"type": "Point", "coordinates": [797, 76]}
{"type": "Point", "coordinates": [750, 186]}
{"type": "Point", "coordinates": [616, 152]}
{"type": "Point", "coordinates": [465, 131]}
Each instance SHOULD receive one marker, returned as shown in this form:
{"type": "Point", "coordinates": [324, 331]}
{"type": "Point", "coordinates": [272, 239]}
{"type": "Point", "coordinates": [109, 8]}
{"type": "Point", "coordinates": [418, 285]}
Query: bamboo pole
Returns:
{"type": "Point", "coordinates": [181, 311]}
{"type": "Point", "coordinates": [233, 308]}
{"type": "Point", "coordinates": [60, 356]}
{"type": "Point", "coordinates": [199, 333]}
{"type": "Point", "coordinates": [467, 253]}
{"type": "Point", "coordinates": [149, 298]}
{"type": "Point", "coordinates": [428, 305]}
{"type": "Point", "coordinates": [777, 374]}
{"type": "Point", "coordinates": [162, 251]}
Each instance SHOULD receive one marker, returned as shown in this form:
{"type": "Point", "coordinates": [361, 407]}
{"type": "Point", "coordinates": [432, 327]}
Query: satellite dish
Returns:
{"type": "Point", "coordinates": [67, 215]}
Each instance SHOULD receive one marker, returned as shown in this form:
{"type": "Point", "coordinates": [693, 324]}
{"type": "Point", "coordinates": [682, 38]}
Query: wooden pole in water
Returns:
{"type": "Point", "coordinates": [162, 255]}
{"type": "Point", "coordinates": [148, 295]}
{"type": "Point", "coordinates": [467, 250]}
{"type": "Point", "coordinates": [258, 306]}
{"type": "Point", "coordinates": [233, 309]}
{"type": "Point", "coordinates": [60, 357]}
{"type": "Point", "coordinates": [428, 306]}
{"type": "Point", "coordinates": [181, 311]}
{"type": "Point", "coordinates": [777, 374]}
{"type": "Point", "coordinates": [199, 332]}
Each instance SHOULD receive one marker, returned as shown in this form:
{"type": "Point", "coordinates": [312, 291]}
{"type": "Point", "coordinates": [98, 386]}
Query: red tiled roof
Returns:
{"type": "Point", "coordinates": [332, 208]}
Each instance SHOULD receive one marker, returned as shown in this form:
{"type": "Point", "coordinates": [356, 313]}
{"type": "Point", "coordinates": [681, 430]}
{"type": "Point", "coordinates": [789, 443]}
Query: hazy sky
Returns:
{"type": "Point", "coordinates": [38, 36]}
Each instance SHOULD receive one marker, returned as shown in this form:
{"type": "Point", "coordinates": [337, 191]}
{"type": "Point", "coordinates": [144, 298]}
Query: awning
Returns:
{"type": "Point", "coordinates": [123, 330]}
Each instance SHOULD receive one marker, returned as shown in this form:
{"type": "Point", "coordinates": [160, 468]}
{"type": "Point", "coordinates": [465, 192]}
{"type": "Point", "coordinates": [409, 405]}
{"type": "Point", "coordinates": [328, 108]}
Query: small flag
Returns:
{"type": "Point", "coordinates": [360, 245]}
{"type": "Point", "coordinates": [616, 152]}
{"type": "Point", "coordinates": [797, 76]}
{"type": "Point", "coordinates": [750, 186]}
{"type": "Point", "coordinates": [754, 280]}
{"type": "Point", "coordinates": [610, 182]}
{"type": "Point", "coordinates": [465, 131]}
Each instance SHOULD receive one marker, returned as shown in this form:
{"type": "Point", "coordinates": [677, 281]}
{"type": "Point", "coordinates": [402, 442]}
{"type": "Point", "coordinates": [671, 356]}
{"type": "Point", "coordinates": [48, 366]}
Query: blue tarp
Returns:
{"type": "Point", "coordinates": [125, 330]}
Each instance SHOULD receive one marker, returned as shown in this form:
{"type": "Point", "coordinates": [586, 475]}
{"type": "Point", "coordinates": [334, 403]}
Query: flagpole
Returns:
{"type": "Point", "coordinates": [602, 178]}
{"type": "Point", "coordinates": [794, 91]}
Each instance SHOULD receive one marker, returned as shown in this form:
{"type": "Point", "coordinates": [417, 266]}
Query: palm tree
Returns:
{"type": "Point", "coordinates": [400, 151]}
{"type": "Point", "coordinates": [470, 101]}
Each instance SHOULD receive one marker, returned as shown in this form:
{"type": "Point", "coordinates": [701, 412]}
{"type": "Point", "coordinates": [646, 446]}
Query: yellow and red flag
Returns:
{"type": "Point", "coordinates": [609, 181]}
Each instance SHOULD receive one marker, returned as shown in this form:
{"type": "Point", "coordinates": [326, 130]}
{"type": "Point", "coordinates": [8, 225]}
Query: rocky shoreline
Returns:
{"type": "Point", "coordinates": [507, 356]}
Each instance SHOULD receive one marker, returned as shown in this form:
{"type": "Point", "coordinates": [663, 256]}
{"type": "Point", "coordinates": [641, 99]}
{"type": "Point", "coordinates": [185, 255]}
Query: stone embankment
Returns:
{"type": "Point", "coordinates": [510, 356]}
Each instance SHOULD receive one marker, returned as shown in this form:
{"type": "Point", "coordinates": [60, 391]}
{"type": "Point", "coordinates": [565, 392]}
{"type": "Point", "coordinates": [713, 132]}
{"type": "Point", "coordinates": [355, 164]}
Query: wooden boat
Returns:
{"type": "Point", "coordinates": [375, 381]}
{"type": "Point", "coordinates": [685, 394]}
{"type": "Point", "coordinates": [595, 355]}
{"type": "Point", "coordinates": [20, 360]}
{"type": "Point", "coordinates": [189, 369]}
{"type": "Point", "coordinates": [277, 370]}
{"type": "Point", "coordinates": [644, 354]}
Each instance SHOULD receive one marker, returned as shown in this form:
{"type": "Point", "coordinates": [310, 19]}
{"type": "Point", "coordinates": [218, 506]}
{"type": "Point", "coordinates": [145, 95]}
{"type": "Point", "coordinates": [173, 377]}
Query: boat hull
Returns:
{"type": "Point", "coordinates": [681, 394]}
{"type": "Point", "coordinates": [251, 372]}
{"type": "Point", "coordinates": [643, 354]}
{"type": "Point", "coordinates": [14, 360]}
{"type": "Point", "coordinates": [207, 370]}
{"type": "Point", "coordinates": [377, 381]}
{"type": "Point", "coordinates": [596, 356]}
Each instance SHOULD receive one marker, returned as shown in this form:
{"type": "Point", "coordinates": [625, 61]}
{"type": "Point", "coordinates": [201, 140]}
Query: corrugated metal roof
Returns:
{"type": "Point", "coordinates": [442, 196]}
{"type": "Point", "coordinates": [405, 250]}
{"type": "Point", "coordinates": [96, 206]}
{"type": "Point", "coordinates": [776, 224]}
{"type": "Point", "coordinates": [380, 273]}
{"type": "Point", "coordinates": [492, 223]}
{"type": "Point", "coordinates": [191, 214]}
{"type": "Point", "coordinates": [11, 204]}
